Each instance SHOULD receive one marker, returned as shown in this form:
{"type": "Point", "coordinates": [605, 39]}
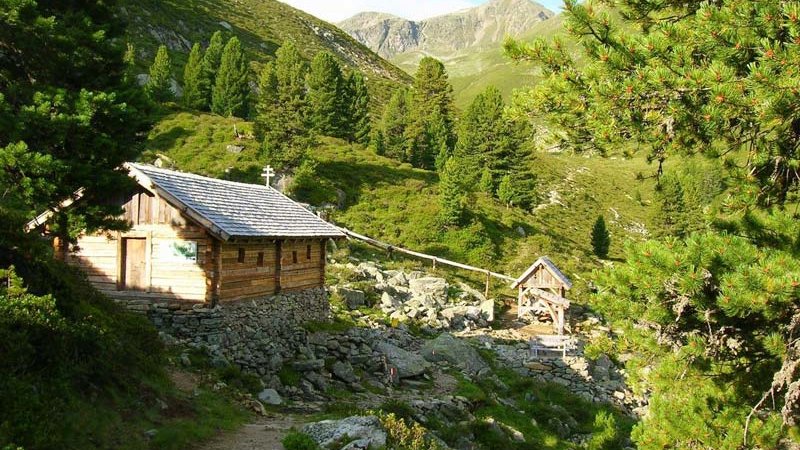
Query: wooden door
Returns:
{"type": "Point", "coordinates": [134, 264]}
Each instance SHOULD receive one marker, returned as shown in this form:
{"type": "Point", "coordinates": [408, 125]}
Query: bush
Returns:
{"type": "Point", "coordinates": [606, 434]}
{"type": "Point", "coordinates": [62, 342]}
{"type": "Point", "coordinates": [299, 441]}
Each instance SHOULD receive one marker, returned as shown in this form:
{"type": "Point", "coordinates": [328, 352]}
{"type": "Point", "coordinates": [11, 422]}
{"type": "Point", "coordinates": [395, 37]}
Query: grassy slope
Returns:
{"type": "Point", "coordinates": [399, 204]}
{"type": "Point", "coordinates": [261, 25]}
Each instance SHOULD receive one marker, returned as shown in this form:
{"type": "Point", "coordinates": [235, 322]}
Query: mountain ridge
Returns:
{"type": "Point", "coordinates": [481, 26]}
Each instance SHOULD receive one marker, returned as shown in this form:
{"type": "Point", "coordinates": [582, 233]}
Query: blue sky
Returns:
{"type": "Point", "coordinates": [337, 10]}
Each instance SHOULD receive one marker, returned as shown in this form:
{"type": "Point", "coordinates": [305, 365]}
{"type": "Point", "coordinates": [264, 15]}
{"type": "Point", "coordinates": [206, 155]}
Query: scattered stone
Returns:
{"type": "Point", "coordinates": [225, 25]}
{"type": "Point", "coordinates": [150, 434]}
{"type": "Point", "coordinates": [234, 148]}
{"type": "Point", "coordinates": [308, 365]}
{"type": "Point", "coordinates": [270, 397]}
{"type": "Point", "coordinates": [366, 429]}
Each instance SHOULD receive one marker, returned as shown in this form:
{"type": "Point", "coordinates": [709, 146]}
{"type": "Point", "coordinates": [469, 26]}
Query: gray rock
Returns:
{"type": "Point", "coordinates": [407, 364]}
{"type": "Point", "coordinates": [344, 371]}
{"type": "Point", "coordinates": [308, 365]}
{"type": "Point", "coordinates": [365, 429]}
{"type": "Point", "coordinates": [270, 397]}
{"type": "Point", "coordinates": [389, 302]}
{"type": "Point", "coordinates": [354, 299]}
{"type": "Point", "coordinates": [487, 310]}
{"type": "Point", "coordinates": [435, 287]}
{"type": "Point", "coordinates": [448, 348]}
{"type": "Point", "coordinates": [225, 25]}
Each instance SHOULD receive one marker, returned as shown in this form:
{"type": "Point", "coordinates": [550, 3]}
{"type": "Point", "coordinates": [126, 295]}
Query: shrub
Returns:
{"type": "Point", "coordinates": [606, 434]}
{"type": "Point", "coordinates": [299, 441]}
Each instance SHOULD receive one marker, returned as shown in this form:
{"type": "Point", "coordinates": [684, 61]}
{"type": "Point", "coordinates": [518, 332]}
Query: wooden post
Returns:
{"type": "Point", "coordinates": [434, 263]}
{"type": "Point", "coordinates": [488, 282]}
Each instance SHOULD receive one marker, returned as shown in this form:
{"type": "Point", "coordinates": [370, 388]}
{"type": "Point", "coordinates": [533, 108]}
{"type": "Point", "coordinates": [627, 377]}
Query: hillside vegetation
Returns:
{"type": "Point", "coordinates": [395, 202]}
{"type": "Point", "coordinates": [261, 26]}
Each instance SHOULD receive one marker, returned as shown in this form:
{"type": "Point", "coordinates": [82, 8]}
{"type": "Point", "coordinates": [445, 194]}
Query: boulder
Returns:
{"type": "Point", "coordinates": [389, 302]}
{"type": "Point", "coordinates": [307, 365]}
{"type": "Point", "coordinates": [487, 310]}
{"type": "Point", "coordinates": [270, 397]}
{"type": "Point", "coordinates": [407, 364]}
{"type": "Point", "coordinates": [344, 371]}
{"type": "Point", "coordinates": [354, 299]}
{"type": "Point", "coordinates": [364, 429]}
{"type": "Point", "coordinates": [448, 348]}
{"type": "Point", "coordinates": [435, 287]}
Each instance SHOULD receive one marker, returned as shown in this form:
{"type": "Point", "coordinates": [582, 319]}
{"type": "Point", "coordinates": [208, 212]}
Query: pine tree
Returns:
{"type": "Point", "coordinates": [486, 183]}
{"type": "Point", "coordinates": [430, 119]}
{"type": "Point", "coordinates": [212, 58]}
{"type": "Point", "coordinates": [451, 195]}
{"type": "Point", "coordinates": [159, 85]}
{"type": "Point", "coordinates": [129, 60]}
{"type": "Point", "coordinates": [282, 121]}
{"type": "Point", "coordinates": [326, 99]}
{"type": "Point", "coordinates": [673, 213]}
{"type": "Point", "coordinates": [601, 239]}
{"type": "Point", "coordinates": [359, 118]}
{"type": "Point", "coordinates": [485, 137]}
{"type": "Point", "coordinates": [231, 87]}
{"type": "Point", "coordinates": [194, 90]}
{"type": "Point", "coordinates": [505, 191]}
{"type": "Point", "coordinates": [686, 78]}
{"type": "Point", "coordinates": [70, 115]}
{"type": "Point", "coordinates": [377, 142]}
{"type": "Point", "coordinates": [394, 123]}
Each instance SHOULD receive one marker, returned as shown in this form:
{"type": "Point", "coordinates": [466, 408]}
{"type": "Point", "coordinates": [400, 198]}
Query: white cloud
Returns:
{"type": "Point", "coordinates": [338, 10]}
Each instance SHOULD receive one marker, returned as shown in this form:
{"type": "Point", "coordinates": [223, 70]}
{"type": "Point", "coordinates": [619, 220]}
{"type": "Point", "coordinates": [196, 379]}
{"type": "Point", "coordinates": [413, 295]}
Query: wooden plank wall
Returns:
{"type": "Point", "coordinates": [247, 279]}
{"type": "Point", "coordinates": [97, 258]}
{"type": "Point", "coordinates": [160, 224]}
{"type": "Point", "coordinates": [543, 279]}
{"type": "Point", "coordinates": [308, 271]}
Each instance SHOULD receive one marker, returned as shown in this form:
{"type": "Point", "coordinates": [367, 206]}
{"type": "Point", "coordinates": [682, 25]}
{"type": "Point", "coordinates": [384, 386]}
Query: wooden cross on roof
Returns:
{"type": "Point", "coordinates": [267, 173]}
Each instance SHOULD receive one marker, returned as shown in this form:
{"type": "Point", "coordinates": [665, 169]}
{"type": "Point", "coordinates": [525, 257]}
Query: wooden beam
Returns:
{"type": "Point", "coordinates": [278, 251]}
{"type": "Point", "coordinates": [434, 259]}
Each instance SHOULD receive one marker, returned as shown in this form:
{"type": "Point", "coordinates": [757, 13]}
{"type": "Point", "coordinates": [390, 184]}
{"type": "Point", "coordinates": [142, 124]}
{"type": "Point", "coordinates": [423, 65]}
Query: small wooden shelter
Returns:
{"type": "Point", "coordinates": [543, 287]}
{"type": "Point", "coordinates": [200, 239]}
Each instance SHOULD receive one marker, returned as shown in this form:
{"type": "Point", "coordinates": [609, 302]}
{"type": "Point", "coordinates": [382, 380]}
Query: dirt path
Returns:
{"type": "Point", "coordinates": [266, 434]}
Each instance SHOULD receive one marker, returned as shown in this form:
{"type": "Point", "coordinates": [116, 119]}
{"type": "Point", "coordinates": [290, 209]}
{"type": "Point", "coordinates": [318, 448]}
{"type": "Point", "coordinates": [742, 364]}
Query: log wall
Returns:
{"type": "Point", "coordinates": [247, 278]}
{"type": "Point", "coordinates": [302, 264]}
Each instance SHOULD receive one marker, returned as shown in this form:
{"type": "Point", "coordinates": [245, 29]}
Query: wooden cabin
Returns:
{"type": "Point", "coordinates": [204, 240]}
{"type": "Point", "coordinates": [543, 287]}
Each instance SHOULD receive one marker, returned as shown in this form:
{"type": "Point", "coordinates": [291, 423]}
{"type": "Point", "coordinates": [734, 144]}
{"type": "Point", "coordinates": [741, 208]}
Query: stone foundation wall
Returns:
{"type": "Point", "coordinates": [257, 335]}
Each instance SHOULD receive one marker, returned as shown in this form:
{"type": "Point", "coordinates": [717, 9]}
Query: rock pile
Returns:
{"type": "Point", "coordinates": [415, 296]}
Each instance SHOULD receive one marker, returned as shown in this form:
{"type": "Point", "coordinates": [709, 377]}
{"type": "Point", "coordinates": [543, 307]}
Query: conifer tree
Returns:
{"type": "Point", "coordinates": [672, 213]}
{"type": "Point", "coordinates": [129, 60]}
{"type": "Point", "coordinates": [231, 87]}
{"type": "Point", "coordinates": [159, 84]}
{"type": "Point", "coordinates": [326, 96]}
{"type": "Point", "coordinates": [212, 58]}
{"type": "Point", "coordinates": [683, 78]}
{"type": "Point", "coordinates": [485, 137]}
{"type": "Point", "coordinates": [194, 96]}
{"type": "Point", "coordinates": [431, 100]}
{"type": "Point", "coordinates": [359, 119]}
{"type": "Point", "coordinates": [451, 194]}
{"type": "Point", "coordinates": [66, 121]}
{"type": "Point", "coordinates": [486, 183]}
{"type": "Point", "coordinates": [601, 239]}
{"type": "Point", "coordinates": [394, 123]}
{"type": "Point", "coordinates": [505, 191]}
{"type": "Point", "coordinates": [282, 121]}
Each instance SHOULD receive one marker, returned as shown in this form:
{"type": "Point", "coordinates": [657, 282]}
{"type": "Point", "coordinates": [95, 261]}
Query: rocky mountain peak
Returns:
{"type": "Point", "coordinates": [480, 26]}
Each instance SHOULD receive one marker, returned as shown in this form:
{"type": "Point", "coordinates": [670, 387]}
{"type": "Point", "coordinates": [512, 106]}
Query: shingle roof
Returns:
{"type": "Point", "coordinates": [543, 261]}
{"type": "Point", "coordinates": [234, 209]}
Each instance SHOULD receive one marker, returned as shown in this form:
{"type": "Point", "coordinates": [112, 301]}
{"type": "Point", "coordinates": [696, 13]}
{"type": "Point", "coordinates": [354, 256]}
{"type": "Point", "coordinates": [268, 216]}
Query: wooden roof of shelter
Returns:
{"type": "Point", "coordinates": [228, 209]}
{"type": "Point", "coordinates": [547, 264]}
